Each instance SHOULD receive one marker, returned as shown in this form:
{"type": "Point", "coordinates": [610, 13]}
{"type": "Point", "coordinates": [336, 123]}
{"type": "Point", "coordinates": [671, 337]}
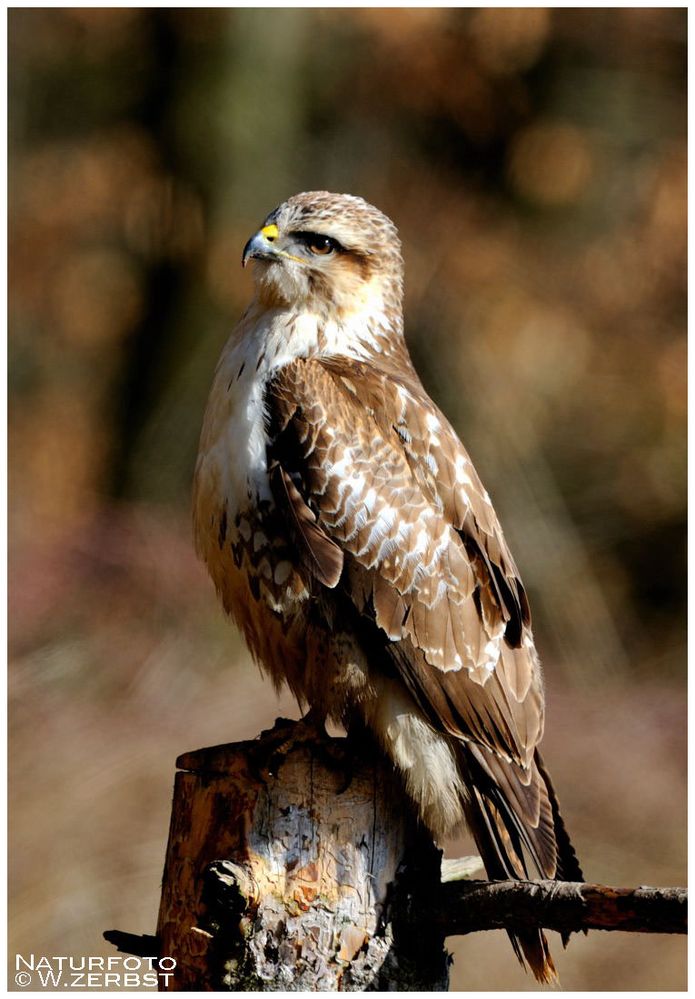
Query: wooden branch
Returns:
{"type": "Point", "coordinates": [468, 906]}
{"type": "Point", "coordinates": [141, 945]}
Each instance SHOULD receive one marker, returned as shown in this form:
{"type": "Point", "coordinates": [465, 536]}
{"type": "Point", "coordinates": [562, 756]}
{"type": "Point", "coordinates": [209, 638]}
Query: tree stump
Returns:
{"type": "Point", "coordinates": [295, 882]}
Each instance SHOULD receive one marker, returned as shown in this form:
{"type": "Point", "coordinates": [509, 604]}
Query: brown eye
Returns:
{"type": "Point", "coordinates": [317, 243]}
{"type": "Point", "coordinates": [321, 245]}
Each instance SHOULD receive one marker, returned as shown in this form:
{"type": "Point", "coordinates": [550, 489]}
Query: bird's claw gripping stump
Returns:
{"type": "Point", "coordinates": [284, 884]}
{"type": "Point", "coordinates": [269, 751]}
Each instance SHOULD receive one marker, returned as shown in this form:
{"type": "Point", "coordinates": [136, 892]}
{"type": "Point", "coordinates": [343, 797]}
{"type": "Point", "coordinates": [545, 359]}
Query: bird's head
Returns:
{"type": "Point", "coordinates": [330, 253]}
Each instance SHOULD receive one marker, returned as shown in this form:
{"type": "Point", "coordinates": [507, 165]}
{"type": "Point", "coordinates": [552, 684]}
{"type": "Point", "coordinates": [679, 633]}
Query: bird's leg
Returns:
{"type": "Point", "coordinates": [275, 743]}
{"type": "Point", "coordinates": [359, 744]}
{"type": "Point", "coordinates": [342, 755]}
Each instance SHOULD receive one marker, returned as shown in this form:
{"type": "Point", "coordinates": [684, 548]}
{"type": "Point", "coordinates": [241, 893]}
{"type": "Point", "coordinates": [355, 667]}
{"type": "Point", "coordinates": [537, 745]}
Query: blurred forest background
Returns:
{"type": "Point", "coordinates": [535, 162]}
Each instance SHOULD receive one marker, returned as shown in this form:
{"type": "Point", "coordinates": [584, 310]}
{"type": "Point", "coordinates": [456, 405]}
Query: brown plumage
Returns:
{"type": "Point", "coordinates": [351, 539]}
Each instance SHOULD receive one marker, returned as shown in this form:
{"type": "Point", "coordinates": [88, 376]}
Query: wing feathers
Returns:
{"type": "Point", "coordinates": [389, 609]}
{"type": "Point", "coordinates": [320, 554]}
{"type": "Point", "coordinates": [433, 575]}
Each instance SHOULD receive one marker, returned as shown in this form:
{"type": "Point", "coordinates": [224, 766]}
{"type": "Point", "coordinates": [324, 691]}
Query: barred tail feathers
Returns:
{"type": "Point", "coordinates": [515, 820]}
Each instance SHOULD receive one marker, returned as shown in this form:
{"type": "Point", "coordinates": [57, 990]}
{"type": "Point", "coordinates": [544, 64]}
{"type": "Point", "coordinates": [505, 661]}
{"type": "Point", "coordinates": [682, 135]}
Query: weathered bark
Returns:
{"type": "Point", "coordinates": [288, 884]}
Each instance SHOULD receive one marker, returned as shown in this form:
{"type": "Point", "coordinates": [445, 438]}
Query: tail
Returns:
{"type": "Point", "coordinates": [515, 819]}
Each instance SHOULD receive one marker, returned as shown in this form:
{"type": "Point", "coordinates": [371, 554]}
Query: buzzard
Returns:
{"type": "Point", "coordinates": [350, 538]}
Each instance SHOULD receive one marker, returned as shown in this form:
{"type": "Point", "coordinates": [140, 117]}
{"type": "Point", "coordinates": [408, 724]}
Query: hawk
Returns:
{"type": "Point", "coordinates": [350, 538]}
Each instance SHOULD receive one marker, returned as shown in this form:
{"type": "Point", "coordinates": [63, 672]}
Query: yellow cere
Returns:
{"type": "Point", "coordinates": [270, 231]}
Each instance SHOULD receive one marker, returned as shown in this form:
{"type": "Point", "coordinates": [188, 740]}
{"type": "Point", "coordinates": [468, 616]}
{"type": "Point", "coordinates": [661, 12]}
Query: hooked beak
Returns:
{"type": "Point", "coordinates": [260, 246]}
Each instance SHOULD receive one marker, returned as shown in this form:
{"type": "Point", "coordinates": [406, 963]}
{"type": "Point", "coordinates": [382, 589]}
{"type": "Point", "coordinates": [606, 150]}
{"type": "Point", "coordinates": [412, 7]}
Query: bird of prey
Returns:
{"type": "Point", "coordinates": [350, 538]}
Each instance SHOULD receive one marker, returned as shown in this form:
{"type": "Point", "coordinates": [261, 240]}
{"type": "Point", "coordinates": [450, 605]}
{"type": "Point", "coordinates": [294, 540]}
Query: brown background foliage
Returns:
{"type": "Point", "coordinates": [535, 163]}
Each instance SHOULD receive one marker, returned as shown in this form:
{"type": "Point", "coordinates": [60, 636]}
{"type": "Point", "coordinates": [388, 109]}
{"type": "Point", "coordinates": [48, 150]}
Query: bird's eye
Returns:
{"type": "Point", "coordinates": [318, 244]}
{"type": "Point", "coordinates": [321, 245]}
